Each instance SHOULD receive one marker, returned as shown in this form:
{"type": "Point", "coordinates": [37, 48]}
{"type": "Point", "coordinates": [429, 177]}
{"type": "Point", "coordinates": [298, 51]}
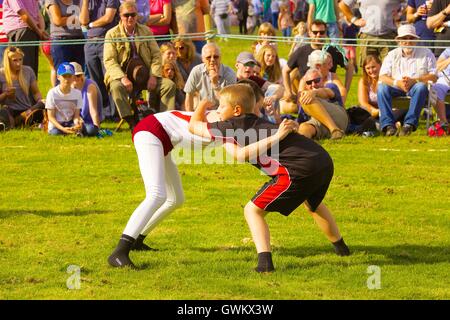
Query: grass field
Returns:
{"type": "Point", "coordinates": [65, 201]}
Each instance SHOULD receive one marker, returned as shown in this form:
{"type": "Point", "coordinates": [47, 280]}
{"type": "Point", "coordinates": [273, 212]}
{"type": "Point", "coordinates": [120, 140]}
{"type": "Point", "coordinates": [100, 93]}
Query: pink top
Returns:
{"type": "Point", "coordinates": [156, 7]}
{"type": "Point", "coordinates": [11, 18]}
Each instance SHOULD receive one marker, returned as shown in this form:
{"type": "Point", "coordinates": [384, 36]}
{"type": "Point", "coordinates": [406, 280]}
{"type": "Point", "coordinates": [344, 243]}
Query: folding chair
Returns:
{"type": "Point", "coordinates": [403, 102]}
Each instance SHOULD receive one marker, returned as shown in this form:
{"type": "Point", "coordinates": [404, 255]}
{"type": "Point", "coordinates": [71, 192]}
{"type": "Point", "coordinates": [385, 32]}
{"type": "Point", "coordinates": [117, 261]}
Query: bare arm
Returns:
{"type": "Point", "coordinates": [363, 98]}
{"type": "Point", "coordinates": [189, 102]}
{"type": "Point", "coordinates": [93, 108]}
{"type": "Point", "coordinates": [57, 18]}
{"type": "Point", "coordinates": [33, 25]}
{"type": "Point", "coordinates": [347, 12]}
{"type": "Point", "coordinates": [198, 124]}
{"type": "Point", "coordinates": [84, 13]}
{"type": "Point", "coordinates": [156, 20]}
{"type": "Point", "coordinates": [287, 82]}
{"type": "Point", "coordinates": [311, 12]}
{"type": "Point", "coordinates": [106, 19]}
{"type": "Point", "coordinates": [438, 19]}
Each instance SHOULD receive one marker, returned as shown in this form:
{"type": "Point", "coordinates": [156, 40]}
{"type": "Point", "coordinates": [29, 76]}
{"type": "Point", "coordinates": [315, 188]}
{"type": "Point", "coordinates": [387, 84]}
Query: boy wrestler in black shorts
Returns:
{"type": "Point", "coordinates": [300, 169]}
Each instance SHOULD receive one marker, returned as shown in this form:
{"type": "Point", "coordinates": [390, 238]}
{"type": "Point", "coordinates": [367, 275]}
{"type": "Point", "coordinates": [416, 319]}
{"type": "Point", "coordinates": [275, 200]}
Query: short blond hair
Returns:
{"type": "Point", "coordinates": [239, 94]}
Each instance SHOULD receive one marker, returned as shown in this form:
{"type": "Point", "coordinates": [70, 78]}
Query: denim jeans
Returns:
{"type": "Point", "coordinates": [89, 130]}
{"type": "Point", "coordinates": [333, 30]}
{"type": "Point", "coordinates": [286, 32]}
{"type": "Point", "coordinates": [418, 94]}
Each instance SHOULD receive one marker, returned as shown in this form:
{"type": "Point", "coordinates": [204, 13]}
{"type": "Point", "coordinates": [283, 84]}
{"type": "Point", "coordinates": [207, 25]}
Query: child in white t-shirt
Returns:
{"type": "Point", "coordinates": [64, 104]}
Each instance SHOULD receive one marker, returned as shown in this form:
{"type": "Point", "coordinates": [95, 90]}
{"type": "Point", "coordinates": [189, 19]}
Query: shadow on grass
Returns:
{"type": "Point", "coordinates": [4, 214]}
{"type": "Point", "coordinates": [403, 254]}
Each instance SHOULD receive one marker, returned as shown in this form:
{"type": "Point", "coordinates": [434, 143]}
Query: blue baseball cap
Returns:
{"type": "Point", "coordinates": [65, 68]}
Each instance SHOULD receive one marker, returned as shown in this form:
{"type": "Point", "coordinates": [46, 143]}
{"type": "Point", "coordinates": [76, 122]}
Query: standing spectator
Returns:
{"type": "Point", "coordinates": [256, 8]}
{"type": "Point", "coordinates": [191, 16]}
{"type": "Point", "coordinates": [64, 104]}
{"type": "Point", "coordinates": [300, 36]}
{"type": "Point", "coordinates": [328, 12]}
{"type": "Point", "coordinates": [187, 58]}
{"type": "Point", "coordinates": [143, 9]}
{"type": "Point", "coordinates": [301, 11]}
{"type": "Point", "coordinates": [99, 17]}
{"type": "Point", "coordinates": [405, 71]}
{"type": "Point", "coordinates": [208, 78]}
{"type": "Point", "coordinates": [376, 22]}
{"type": "Point", "coordinates": [3, 37]}
{"type": "Point", "coordinates": [267, 12]}
{"type": "Point", "coordinates": [91, 110]}
{"type": "Point", "coordinates": [65, 25]}
{"type": "Point", "coordinates": [350, 33]}
{"type": "Point", "coordinates": [242, 13]}
{"type": "Point", "coordinates": [22, 21]}
{"type": "Point", "coordinates": [20, 93]}
{"type": "Point", "coordinates": [437, 19]}
{"type": "Point", "coordinates": [133, 66]}
{"type": "Point", "coordinates": [275, 9]}
{"type": "Point", "coordinates": [220, 10]}
{"type": "Point", "coordinates": [416, 12]}
{"type": "Point", "coordinates": [160, 17]}
{"type": "Point", "coordinates": [285, 21]}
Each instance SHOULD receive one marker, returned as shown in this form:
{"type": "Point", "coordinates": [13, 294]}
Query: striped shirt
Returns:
{"type": "Point", "coordinates": [3, 37]}
{"type": "Point", "coordinates": [220, 6]}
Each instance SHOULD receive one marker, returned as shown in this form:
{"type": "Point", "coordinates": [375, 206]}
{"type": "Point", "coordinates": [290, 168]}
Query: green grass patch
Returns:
{"type": "Point", "coordinates": [65, 201]}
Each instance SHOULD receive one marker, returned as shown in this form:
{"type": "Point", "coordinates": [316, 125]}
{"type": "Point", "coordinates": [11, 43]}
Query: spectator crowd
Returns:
{"type": "Point", "coordinates": [108, 56]}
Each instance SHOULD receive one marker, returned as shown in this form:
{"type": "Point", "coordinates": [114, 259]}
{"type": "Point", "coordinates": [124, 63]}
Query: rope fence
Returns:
{"type": "Point", "coordinates": [436, 44]}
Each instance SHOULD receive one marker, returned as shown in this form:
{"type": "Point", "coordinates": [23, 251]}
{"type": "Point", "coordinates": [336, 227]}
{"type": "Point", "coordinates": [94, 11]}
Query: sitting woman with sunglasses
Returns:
{"type": "Point", "coordinates": [21, 99]}
{"type": "Point", "coordinates": [187, 58]}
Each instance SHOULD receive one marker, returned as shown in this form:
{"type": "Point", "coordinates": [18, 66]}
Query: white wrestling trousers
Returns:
{"type": "Point", "coordinates": [163, 190]}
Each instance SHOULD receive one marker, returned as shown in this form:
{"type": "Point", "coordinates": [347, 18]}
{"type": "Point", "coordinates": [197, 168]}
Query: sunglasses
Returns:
{"type": "Point", "coordinates": [216, 57]}
{"type": "Point", "coordinates": [321, 32]}
{"type": "Point", "coordinates": [249, 64]}
{"type": "Point", "coordinates": [310, 82]}
{"type": "Point", "coordinates": [179, 48]}
{"type": "Point", "coordinates": [131, 14]}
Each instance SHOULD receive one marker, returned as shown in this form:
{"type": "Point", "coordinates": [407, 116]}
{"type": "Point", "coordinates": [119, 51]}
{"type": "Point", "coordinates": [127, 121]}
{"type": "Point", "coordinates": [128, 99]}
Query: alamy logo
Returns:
{"type": "Point", "coordinates": [374, 281]}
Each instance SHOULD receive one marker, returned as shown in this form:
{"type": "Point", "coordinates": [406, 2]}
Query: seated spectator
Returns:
{"type": "Point", "coordinates": [245, 64]}
{"type": "Point", "coordinates": [65, 25]}
{"type": "Point", "coordinates": [170, 71]}
{"type": "Point", "coordinates": [91, 111]}
{"type": "Point", "coordinates": [299, 58]}
{"type": "Point", "coordinates": [159, 19]}
{"type": "Point", "coordinates": [20, 93]}
{"type": "Point", "coordinates": [134, 67]}
{"type": "Point", "coordinates": [323, 61]}
{"type": "Point", "coordinates": [270, 64]}
{"type": "Point", "coordinates": [208, 78]}
{"type": "Point", "coordinates": [187, 58]}
{"type": "Point", "coordinates": [368, 88]}
{"type": "Point", "coordinates": [328, 118]}
{"type": "Point", "coordinates": [442, 86]}
{"type": "Point", "coordinates": [168, 52]}
{"type": "Point", "coordinates": [64, 104]}
{"type": "Point", "coordinates": [405, 71]}
{"type": "Point", "coordinates": [265, 31]}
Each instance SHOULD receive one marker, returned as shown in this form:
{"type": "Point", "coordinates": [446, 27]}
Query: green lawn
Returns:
{"type": "Point", "coordinates": [65, 201]}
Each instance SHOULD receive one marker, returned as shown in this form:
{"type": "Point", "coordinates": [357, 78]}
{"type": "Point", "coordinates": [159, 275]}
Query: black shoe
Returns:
{"type": "Point", "coordinates": [390, 131]}
{"type": "Point", "coordinates": [120, 260]}
{"type": "Point", "coordinates": [142, 247]}
{"type": "Point", "coordinates": [341, 248]}
{"type": "Point", "coordinates": [2, 126]}
{"type": "Point", "coordinates": [406, 130]}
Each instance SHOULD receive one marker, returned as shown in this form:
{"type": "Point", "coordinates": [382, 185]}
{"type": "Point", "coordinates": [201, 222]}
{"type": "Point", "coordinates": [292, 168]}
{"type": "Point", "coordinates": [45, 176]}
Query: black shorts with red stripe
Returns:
{"type": "Point", "coordinates": [284, 194]}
